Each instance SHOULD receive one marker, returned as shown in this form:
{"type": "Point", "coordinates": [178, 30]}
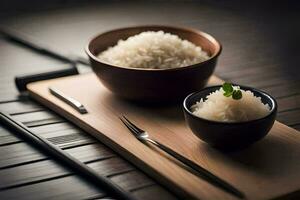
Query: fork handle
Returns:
{"type": "Point", "coordinates": [202, 172]}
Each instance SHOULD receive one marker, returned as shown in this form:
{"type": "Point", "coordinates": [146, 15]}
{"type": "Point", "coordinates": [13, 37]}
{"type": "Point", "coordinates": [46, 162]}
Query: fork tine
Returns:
{"type": "Point", "coordinates": [131, 126]}
{"type": "Point", "coordinates": [133, 131]}
{"type": "Point", "coordinates": [137, 128]}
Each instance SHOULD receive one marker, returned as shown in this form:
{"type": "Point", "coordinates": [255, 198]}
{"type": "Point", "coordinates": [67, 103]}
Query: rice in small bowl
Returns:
{"type": "Point", "coordinates": [218, 107]}
{"type": "Point", "coordinates": [227, 123]}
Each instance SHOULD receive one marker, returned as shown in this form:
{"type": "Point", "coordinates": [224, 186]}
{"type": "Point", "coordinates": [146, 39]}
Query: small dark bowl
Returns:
{"type": "Point", "coordinates": [229, 135]}
{"type": "Point", "coordinates": [153, 85]}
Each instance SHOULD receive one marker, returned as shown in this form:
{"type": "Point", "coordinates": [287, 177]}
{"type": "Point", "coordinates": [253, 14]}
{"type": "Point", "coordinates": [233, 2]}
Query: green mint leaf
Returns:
{"type": "Point", "coordinates": [227, 87]}
{"type": "Point", "coordinates": [237, 94]}
{"type": "Point", "coordinates": [227, 94]}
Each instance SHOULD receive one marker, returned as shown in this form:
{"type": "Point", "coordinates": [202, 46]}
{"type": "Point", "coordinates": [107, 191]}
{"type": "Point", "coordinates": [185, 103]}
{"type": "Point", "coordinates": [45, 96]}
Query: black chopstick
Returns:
{"type": "Point", "coordinates": [17, 38]}
{"type": "Point", "coordinates": [101, 181]}
{"type": "Point", "coordinates": [204, 173]}
{"type": "Point", "coordinates": [22, 80]}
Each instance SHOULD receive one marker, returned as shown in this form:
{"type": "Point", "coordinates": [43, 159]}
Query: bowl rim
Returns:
{"type": "Point", "coordinates": [262, 93]}
{"type": "Point", "coordinates": [199, 32]}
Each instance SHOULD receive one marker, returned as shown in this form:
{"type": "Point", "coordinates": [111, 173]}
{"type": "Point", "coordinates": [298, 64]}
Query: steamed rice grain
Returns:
{"type": "Point", "coordinates": [156, 50]}
{"type": "Point", "coordinates": [217, 107]}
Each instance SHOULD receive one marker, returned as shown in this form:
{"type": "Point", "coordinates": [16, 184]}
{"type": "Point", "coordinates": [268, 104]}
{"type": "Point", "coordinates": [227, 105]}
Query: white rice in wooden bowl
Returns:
{"type": "Point", "coordinates": [217, 107]}
{"type": "Point", "coordinates": [154, 50]}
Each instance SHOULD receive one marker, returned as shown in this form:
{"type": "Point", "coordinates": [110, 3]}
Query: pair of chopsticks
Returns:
{"type": "Point", "coordinates": [101, 181]}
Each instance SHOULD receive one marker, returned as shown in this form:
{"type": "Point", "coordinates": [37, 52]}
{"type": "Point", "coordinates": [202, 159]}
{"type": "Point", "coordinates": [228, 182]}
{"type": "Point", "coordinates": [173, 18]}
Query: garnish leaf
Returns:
{"type": "Point", "coordinates": [227, 94]}
{"type": "Point", "coordinates": [227, 87]}
{"type": "Point", "coordinates": [230, 91]}
{"type": "Point", "coordinates": [237, 94]}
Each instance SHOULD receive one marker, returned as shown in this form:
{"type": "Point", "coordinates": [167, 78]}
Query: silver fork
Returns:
{"type": "Point", "coordinates": [143, 136]}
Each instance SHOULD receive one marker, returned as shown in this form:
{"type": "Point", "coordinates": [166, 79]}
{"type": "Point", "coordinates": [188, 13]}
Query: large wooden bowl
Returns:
{"type": "Point", "coordinates": [153, 85]}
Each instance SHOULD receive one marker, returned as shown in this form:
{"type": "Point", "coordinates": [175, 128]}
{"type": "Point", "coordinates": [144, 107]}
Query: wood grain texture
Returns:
{"type": "Point", "coordinates": [35, 172]}
{"type": "Point", "coordinates": [65, 138]}
{"type": "Point", "coordinates": [12, 155]}
{"type": "Point", "coordinates": [48, 169]}
{"type": "Point", "coordinates": [147, 193]}
{"type": "Point", "coordinates": [38, 118]}
{"type": "Point", "coordinates": [22, 153]}
{"type": "Point", "coordinates": [19, 107]}
{"type": "Point", "coordinates": [273, 163]}
{"type": "Point", "coordinates": [70, 187]}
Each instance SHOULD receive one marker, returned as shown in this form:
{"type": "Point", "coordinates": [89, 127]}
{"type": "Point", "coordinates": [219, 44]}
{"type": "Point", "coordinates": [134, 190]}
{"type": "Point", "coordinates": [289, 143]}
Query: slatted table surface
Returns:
{"type": "Point", "coordinates": [260, 49]}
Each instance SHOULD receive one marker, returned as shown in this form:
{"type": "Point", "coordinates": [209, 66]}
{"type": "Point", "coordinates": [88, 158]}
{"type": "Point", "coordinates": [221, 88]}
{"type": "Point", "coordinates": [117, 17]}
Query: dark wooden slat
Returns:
{"type": "Point", "coordinates": [229, 62]}
{"type": "Point", "coordinates": [267, 82]}
{"type": "Point", "coordinates": [297, 126]}
{"type": "Point", "coordinates": [11, 155]}
{"type": "Point", "coordinates": [48, 169]}
{"type": "Point", "coordinates": [288, 89]}
{"type": "Point", "coordinates": [52, 128]}
{"type": "Point", "coordinates": [290, 117]}
{"type": "Point", "coordinates": [6, 84]}
{"type": "Point", "coordinates": [9, 139]}
{"type": "Point", "coordinates": [64, 135]}
{"type": "Point", "coordinates": [20, 107]}
{"type": "Point", "coordinates": [63, 188]}
{"type": "Point", "coordinates": [91, 152]}
{"type": "Point", "coordinates": [64, 139]}
{"type": "Point", "coordinates": [23, 153]}
{"type": "Point", "coordinates": [28, 62]}
{"type": "Point", "coordinates": [4, 131]}
{"type": "Point", "coordinates": [73, 140]}
{"type": "Point", "coordinates": [263, 75]}
{"type": "Point", "coordinates": [9, 96]}
{"type": "Point", "coordinates": [38, 118]}
{"type": "Point", "coordinates": [61, 132]}
{"type": "Point", "coordinates": [25, 174]}
{"type": "Point", "coordinates": [153, 192]}
{"type": "Point", "coordinates": [112, 166]}
{"type": "Point", "coordinates": [230, 65]}
{"type": "Point", "coordinates": [8, 88]}
{"type": "Point", "coordinates": [289, 103]}
{"type": "Point", "coordinates": [42, 122]}
{"type": "Point", "coordinates": [249, 68]}
{"type": "Point", "coordinates": [6, 137]}
{"type": "Point", "coordinates": [132, 180]}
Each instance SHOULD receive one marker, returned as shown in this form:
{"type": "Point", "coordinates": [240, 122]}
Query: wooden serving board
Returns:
{"type": "Point", "coordinates": [269, 169]}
